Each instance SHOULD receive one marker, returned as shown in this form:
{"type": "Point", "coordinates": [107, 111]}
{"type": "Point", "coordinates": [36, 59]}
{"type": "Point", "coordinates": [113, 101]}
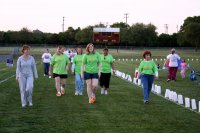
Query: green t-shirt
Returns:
{"type": "Point", "coordinates": [148, 67]}
{"type": "Point", "coordinates": [59, 63]}
{"type": "Point", "coordinates": [91, 63]}
{"type": "Point", "coordinates": [106, 62]}
{"type": "Point", "coordinates": [78, 59]}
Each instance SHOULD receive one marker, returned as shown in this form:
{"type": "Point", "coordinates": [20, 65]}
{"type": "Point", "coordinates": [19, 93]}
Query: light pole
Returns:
{"type": "Point", "coordinates": [126, 17]}
{"type": "Point", "coordinates": [166, 28]}
{"type": "Point", "coordinates": [63, 25]}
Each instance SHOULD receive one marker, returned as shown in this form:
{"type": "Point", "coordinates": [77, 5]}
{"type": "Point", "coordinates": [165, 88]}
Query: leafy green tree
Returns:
{"type": "Point", "coordinates": [84, 36]}
{"type": "Point", "coordinates": [190, 32]}
{"type": "Point", "coordinates": [142, 35]}
{"type": "Point", "coordinates": [124, 31]}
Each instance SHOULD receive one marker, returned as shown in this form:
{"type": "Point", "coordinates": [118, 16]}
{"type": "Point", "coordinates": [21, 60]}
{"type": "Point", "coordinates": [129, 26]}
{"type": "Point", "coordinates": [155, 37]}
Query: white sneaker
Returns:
{"type": "Point", "coordinates": [44, 75]}
{"type": "Point", "coordinates": [30, 104]}
{"type": "Point", "coordinates": [76, 93]}
{"type": "Point", "coordinates": [80, 93]}
{"type": "Point", "coordinates": [102, 91]}
{"type": "Point", "coordinates": [106, 92]}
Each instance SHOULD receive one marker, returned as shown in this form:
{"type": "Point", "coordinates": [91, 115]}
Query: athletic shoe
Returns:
{"type": "Point", "coordinates": [44, 75]}
{"type": "Point", "coordinates": [58, 94]}
{"type": "Point", "coordinates": [24, 105]}
{"type": "Point", "coordinates": [91, 100]}
{"type": "Point", "coordinates": [80, 93]}
{"type": "Point", "coordinates": [30, 104]}
{"type": "Point", "coordinates": [62, 90]}
{"type": "Point", "coordinates": [94, 99]}
{"type": "Point", "coordinates": [102, 91]}
{"type": "Point", "coordinates": [168, 80]}
{"type": "Point", "coordinates": [106, 92]}
{"type": "Point", "coordinates": [76, 93]}
{"type": "Point", "coordinates": [146, 101]}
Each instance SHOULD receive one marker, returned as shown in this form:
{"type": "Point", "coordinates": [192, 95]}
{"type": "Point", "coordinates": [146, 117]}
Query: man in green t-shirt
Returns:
{"type": "Point", "coordinates": [106, 63]}
{"type": "Point", "coordinates": [58, 69]}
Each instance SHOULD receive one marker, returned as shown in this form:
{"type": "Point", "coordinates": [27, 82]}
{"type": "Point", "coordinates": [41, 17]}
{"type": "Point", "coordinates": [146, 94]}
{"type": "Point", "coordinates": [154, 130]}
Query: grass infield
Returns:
{"type": "Point", "coordinates": [121, 111]}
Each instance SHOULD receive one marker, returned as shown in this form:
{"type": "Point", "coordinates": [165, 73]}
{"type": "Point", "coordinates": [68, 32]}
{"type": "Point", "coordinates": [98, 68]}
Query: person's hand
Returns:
{"type": "Point", "coordinates": [82, 75]}
{"type": "Point", "coordinates": [156, 77]}
{"type": "Point", "coordinates": [50, 73]}
{"type": "Point", "coordinates": [99, 74]}
{"type": "Point", "coordinates": [113, 72]}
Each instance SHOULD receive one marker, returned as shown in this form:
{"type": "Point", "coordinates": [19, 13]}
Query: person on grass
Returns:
{"type": "Point", "coordinates": [106, 63]}
{"type": "Point", "coordinates": [147, 71]}
{"type": "Point", "coordinates": [173, 59]}
{"type": "Point", "coordinates": [58, 69]}
{"type": "Point", "coordinates": [46, 58]}
{"type": "Point", "coordinates": [183, 68]}
{"type": "Point", "coordinates": [26, 66]}
{"type": "Point", "coordinates": [90, 70]}
{"type": "Point", "coordinates": [79, 81]}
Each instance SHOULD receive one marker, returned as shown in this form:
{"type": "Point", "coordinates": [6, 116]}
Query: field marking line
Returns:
{"type": "Point", "coordinates": [3, 69]}
{"type": "Point", "coordinates": [163, 97]}
{"type": "Point", "coordinates": [7, 79]}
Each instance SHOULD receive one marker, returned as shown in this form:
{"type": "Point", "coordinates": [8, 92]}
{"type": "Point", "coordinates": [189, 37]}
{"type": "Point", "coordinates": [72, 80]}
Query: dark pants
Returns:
{"type": "Point", "coordinates": [172, 73]}
{"type": "Point", "coordinates": [46, 68]}
{"type": "Point", "coordinates": [147, 81]}
{"type": "Point", "coordinates": [105, 80]}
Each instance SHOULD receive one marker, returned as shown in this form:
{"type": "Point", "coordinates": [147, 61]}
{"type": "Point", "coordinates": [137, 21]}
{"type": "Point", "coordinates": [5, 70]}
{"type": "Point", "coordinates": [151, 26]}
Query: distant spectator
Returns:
{"type": "Point", "coordinates": [158, 65]}
{"type": "Point", "coordinates": [46, 58]}
{"type": "Point", "coordinates": [173, 65]}
{"type": "Point", "coordinates": [183, 68]}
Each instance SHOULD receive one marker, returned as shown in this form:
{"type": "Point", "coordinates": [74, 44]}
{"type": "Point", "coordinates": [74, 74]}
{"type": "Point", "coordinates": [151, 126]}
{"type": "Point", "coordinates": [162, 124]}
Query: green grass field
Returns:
{"type": "Point", "coordinates": [122, 111]}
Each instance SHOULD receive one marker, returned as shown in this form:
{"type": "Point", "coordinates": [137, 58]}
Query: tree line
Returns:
{"type": "Point", "coordinates": [138, 34]}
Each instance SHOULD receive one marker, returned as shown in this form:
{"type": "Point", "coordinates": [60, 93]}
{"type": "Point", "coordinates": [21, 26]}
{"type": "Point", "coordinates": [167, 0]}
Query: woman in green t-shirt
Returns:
{"type": "Point", "coordinates": [147, 71]}
{"type": "Point", "coordinates": [90, 70]}
{"type": "Point", "coordinates": [58, 66]}
{"type": "Point", "coordinates": [107, 64]}
{"type": "Point", "coordinates": [79, 82]}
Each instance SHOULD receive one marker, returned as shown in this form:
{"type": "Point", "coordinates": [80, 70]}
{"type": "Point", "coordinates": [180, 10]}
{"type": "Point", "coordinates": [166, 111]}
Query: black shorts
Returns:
{"type": "Point", "coordinates": [62, 76]}
{"type": "Point", "coordinates": [90, 76]}
{"type": "Point", "coordinates": [105, 80]}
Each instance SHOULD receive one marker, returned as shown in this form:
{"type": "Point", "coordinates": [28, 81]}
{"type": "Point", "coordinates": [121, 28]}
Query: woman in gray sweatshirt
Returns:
{"type": "Point", "coordinates": [24, 75]}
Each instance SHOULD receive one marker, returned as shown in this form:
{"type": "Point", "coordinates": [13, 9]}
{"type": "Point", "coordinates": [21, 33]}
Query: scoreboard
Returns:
{"type": "Point", "coordinates": [106, 35]}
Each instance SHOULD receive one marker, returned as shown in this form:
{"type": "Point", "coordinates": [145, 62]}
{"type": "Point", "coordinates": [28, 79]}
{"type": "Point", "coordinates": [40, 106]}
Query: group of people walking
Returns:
{"type": "Point", "coordinates": [91, 67]}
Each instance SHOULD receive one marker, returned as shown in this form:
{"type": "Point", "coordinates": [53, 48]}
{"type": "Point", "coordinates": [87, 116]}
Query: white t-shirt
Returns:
{"type": "Point", "coordinates": [67, 53]}
{"type": "Point", "coordinates": [46, 57]}
{"type": "Point", "coordinates": [173, 60]}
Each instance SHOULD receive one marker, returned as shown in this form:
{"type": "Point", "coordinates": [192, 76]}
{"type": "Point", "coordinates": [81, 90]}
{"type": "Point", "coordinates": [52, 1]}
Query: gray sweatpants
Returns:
{"type": "Point", "coordinates": [26, 89]}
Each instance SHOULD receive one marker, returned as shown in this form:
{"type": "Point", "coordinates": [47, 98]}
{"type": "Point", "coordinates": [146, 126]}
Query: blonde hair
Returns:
{"type": "Point", "coordinates": [87, 48]}
{"type": "Point", "coordinates": [25, 47]}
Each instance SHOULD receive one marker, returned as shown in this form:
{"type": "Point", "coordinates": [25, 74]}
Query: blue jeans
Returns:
{"type": "Point", "coordinates": [46, 68]}
{"type": "Point", "coordinates": [147, 81]}
{"type": "Point", "coordinates": [79, 83]}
